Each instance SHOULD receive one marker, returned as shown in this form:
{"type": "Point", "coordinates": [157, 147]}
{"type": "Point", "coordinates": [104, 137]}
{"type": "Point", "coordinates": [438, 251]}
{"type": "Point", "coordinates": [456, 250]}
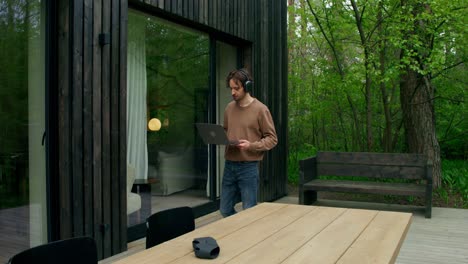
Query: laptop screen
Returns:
{"type": "Point", "coordinates": [214, 134]}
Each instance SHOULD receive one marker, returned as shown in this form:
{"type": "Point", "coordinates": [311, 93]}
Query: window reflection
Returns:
{"type": "Point", "coordinates": [226, 62]}
{"type": "Point", "coordinates": [23, 222]}
{"type": "Point", "coordinates": [168, 78]}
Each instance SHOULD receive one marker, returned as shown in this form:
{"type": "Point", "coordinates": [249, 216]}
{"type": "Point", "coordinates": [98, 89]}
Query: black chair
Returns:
{"type": "Point", "coordinates": [79, 250]}
{"type": "Point", "coordinates": [168, 224]}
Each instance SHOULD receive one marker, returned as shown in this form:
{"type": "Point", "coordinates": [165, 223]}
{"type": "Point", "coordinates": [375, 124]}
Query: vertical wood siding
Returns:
{"type": "Point", "coordinates": [91, 125]}
{"type": "Point", "coordinates": [92, 103]}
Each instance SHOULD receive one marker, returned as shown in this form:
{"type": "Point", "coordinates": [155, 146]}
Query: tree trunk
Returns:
{"type": "Point", "coordinates": [416, 90]}
{"type": "Point", "coordinates": [387, 133]}
{"type": "Point", "coordinates": [416, 97]}
{"type": "Point", "coordinates": [362, 35]}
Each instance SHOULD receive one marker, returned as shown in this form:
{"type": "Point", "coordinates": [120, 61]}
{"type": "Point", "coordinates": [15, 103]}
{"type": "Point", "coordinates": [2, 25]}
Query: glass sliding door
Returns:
{"type": "Point", "coordinates": [23, 209]}
{"type": "Point", "coordinates": [226, 61]}
{"type": "Point", "coordinates": [168, 92]}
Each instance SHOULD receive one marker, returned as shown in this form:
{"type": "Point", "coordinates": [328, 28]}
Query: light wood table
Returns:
{"type": "Point", "coordinates": [284, 233]}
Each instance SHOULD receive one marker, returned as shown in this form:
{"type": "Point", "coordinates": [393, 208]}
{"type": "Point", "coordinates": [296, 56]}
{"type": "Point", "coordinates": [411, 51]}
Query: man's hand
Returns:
{"type": "Point", "coordinates": [243, 144]}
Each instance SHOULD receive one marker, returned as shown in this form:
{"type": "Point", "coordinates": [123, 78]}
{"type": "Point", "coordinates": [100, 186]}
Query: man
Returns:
{"type": "Point", "coordinates": [249, 121]}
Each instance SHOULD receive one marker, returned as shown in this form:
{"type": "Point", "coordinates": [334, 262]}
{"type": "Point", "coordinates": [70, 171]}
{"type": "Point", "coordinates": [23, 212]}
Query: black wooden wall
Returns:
{"type": "Point", "coordinates": [91, 76]}
{"type": "Point", "coordinates": [92, 122]}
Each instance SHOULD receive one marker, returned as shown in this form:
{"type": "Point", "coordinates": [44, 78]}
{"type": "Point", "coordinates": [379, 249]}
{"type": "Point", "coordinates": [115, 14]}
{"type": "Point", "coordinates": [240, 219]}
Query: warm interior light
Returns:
{"type": "Point", "coordinates": [154, 124]}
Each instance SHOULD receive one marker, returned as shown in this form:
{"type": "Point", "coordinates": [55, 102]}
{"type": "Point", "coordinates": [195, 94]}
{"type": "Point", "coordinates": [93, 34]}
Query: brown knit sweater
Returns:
{"type": "Point", "coordinates": [253, 123]}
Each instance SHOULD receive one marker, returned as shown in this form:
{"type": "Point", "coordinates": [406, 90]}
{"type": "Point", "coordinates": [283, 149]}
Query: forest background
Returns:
{"type": "Point", "coordinates": [381, 76]}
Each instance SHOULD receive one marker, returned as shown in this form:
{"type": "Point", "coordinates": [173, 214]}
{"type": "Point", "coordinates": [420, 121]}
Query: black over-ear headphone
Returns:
{"type": "Point", "coordinates": [247, 83]}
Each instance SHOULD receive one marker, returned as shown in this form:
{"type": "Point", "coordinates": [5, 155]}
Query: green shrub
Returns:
{"type": "Point", "coordinates": [455, 176]}
{"type": "Point", "coordinates": [293, 162]}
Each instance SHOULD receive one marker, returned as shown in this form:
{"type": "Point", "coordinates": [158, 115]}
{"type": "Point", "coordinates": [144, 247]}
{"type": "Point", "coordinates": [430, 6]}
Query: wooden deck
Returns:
{"type": "Point", "coordinates": [441, 239]}
{"type": "Point", "coordinates": [14, 231]}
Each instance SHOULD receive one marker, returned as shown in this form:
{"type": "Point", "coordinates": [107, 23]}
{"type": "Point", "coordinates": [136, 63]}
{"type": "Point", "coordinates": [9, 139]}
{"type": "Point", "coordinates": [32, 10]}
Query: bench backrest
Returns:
{"type": "Point", "coordinates": [375, 165]}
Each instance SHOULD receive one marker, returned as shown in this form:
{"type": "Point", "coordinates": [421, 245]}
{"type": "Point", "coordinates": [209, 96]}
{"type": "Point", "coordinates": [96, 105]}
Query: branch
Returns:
{"type": "Point", "coordinates": [439, 97]}
{"type": "Point", "coordinates": [449, 99]}
{"type": "Point", "coordinates": [327, 39]}
{"type": "Point", "coordinates": [446, 132]}
{"type": "Point", "coordinates": [447, 68]}
{"type": "Point", "coordinates": [461, 135]}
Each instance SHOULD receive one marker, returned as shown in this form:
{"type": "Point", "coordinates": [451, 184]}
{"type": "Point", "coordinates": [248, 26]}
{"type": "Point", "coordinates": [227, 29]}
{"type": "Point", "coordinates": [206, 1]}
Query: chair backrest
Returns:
{"type": "Point", "coordinates": [79, 250]}
{"type": "Point", "coordinates": [168, 224]}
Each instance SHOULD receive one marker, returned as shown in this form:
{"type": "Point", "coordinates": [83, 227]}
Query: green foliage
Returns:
{"type": "Point", "coordinates": [21, 66]}
{"type": "Point", "coordinates": [455, 176]}
{"type": "Point", "coordinates": [10, 200]}
{"type": "Point", "coordinates": [176, 61]}
{"type": "Point", "coordinates": [293, 162]}
{"type": "Point", "coordinates": [442, 192]}
{"type": "Point", "coordinates": [14, 28]}
{"type": "Point", "coordinates": [327, 101]}
{"type": "Point", "coordinates": [451, 111]}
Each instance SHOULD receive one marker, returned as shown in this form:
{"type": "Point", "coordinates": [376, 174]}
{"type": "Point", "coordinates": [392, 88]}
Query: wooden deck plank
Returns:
{"type": "Point", "coordinates": [442, 239]}
{"type": "Point", "coordinates": [14, 231]}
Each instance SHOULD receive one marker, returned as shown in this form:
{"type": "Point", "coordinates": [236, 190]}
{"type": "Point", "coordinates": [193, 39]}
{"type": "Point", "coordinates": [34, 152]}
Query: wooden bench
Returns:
{"type": "Point", "coordinates": [413, 167]}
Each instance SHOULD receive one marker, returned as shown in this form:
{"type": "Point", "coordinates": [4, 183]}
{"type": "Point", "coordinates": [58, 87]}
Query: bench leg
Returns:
{"type": "Point", "coordinates": [308, 197]}
{"type": "Point", "coordinates": [429, 201]}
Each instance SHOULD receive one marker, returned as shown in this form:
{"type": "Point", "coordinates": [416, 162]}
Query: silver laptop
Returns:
{"type": "Point", "coordinates": [214, 134]}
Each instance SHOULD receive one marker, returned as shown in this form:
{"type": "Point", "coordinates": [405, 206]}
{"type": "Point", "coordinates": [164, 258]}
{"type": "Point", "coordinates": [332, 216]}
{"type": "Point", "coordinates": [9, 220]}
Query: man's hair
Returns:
{"type": "Point", "coordinates": [239, 76]}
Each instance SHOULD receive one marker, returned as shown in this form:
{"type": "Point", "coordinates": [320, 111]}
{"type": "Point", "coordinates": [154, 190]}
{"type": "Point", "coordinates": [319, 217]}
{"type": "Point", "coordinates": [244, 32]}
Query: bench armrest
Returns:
{"type": "Point", "coordinates": [429, 172]}
{"type": "Point", "coordinates": [307, 170]}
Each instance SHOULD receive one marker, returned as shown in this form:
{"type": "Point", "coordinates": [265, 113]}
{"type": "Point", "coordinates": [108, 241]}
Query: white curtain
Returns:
{"type": "Point", "coordinates": [226, 62]}
{"type": "Point", "coordinates": [36, 125]}
{"type": "Point", "coordinates": [137, 151]}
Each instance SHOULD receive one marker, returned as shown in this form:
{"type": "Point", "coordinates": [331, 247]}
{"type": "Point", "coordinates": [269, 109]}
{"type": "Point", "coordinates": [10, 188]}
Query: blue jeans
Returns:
{"type": "Point", "coordinates": [240, 179]}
